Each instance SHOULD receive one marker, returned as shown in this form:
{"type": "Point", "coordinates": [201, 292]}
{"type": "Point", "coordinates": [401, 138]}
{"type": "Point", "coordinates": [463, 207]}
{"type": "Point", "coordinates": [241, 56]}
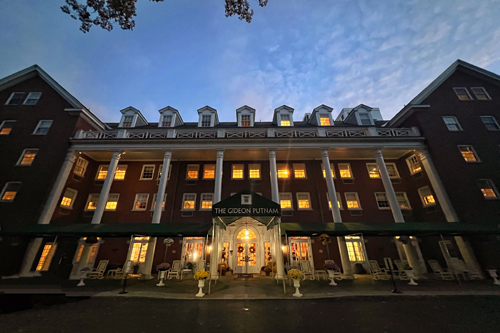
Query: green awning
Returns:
{"type": "Point", "coordinates": [110, 230]}
{"type": "Point", "coordinates": [386, 229]}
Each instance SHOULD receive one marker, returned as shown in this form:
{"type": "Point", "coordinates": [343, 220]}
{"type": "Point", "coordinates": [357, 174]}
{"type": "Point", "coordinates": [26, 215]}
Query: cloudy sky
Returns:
{"type": "Point", "coordinates": [302, 53]}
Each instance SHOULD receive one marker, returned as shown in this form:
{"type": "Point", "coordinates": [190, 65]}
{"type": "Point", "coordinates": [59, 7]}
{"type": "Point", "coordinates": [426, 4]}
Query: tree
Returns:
{"type": "Point", "coordinates": [104, 13]}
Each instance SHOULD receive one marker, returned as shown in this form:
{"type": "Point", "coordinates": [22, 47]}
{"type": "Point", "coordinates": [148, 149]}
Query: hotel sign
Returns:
{"type": "Point", "coordinates": [246, 203]}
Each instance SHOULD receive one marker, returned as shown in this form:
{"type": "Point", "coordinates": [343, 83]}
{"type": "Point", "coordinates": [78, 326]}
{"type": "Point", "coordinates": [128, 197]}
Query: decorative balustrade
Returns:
{"type": "Point", "coordinates": [241, 133]}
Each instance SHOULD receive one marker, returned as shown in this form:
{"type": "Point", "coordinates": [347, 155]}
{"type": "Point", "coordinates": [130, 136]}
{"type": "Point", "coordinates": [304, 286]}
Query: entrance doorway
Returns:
{"type": "Point", "coordinates": [246, 252]}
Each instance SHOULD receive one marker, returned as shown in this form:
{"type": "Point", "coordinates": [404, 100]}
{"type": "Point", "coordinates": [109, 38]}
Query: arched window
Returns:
{"type": "Point", "coordinates": [245, 234]}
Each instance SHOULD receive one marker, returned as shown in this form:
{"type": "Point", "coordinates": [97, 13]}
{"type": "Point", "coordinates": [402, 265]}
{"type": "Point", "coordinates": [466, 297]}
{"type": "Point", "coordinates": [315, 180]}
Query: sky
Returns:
{"type": "Point", "coordinates": [301, 53]}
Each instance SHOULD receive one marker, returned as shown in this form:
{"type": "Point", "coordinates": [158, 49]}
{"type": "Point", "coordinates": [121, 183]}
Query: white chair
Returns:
{"type": "Point", "coordinates": [377, 272]}
{"type": "Point", "coordinates": [439, 272]}
{"type": "Point", "coordinates": [175, 270]}
{"type": "Point", "coordinates": [98, 273]}
{"type": "Point", "coordinates": [459, 268]}
{"type": "Point", "coordinates": [307, 269]}
{"type": "Point", "coordinates": [400, 264]}
{"type": "Point", "coordinates": [199, 265]}
{"type": "Point", "coordinates": [117, 273]}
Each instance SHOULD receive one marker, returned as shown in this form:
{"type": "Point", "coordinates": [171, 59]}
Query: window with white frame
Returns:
{"type": "Point", "coordinates": [283, 171]}
{"type": "Point", "coordinates": [490, 122]}
{"type": "Point", "coordinates": [237, 171]}
{"type": "Point", "coordinates": [6, 127]}
{"type": "Point", "coordinates": [206, 120]}
{"type": "Point", "coordinates": [331, 168]}
{"type": "Point", "coordinates": [92, 201]}
{"type": "Point", "coordinates": [299, 170]}
{"type": "Point", "coordinates": [324, 120]}
{"type": "Point", "coordinates": [468, 153]}
{"type": "Point", "coordinates": [382, 201]}
{"type": "Point", "coordinates": [355, 248]}
{"type": "Point", "coordinates": [188, 201]}
{"type": "Point", "coordinates": [480, 93]}
{"type": "Point", "coordinates": [452, 123]}
{"type": "Point", "coordinates": [206, 201]}
{"type": "Point", "coordinates": [148, 171]}
{"type": "Point", "coordinates": [209, 171]}
{"type": "Point", "coordinates": [245, 120]}
{"type": "Point", "coordinates": [68, 198]}
{"type": "Point", "coordinates": [141, 201]}
{"type": "Point", "coordinates": [15, 98]}
{"type": "Point", "coordinates": [192, 171]}
{"type": "Point", "coordinates": [43, 127]}
{"type": "Point", "coordinates": [352, 200]}
{"type": "Point", "coordinates": [345, 170]}
{"type": "Point", "coordinates": [102, 172]}
{"type": "Point", "coordinates": [112, 202]}
{"type": "Point", "coordinates": [166, 121]}
{"type": "Point", "coordinates": [488, 188]}
{"type": "Point", "coordinates": [46, 257]}
{"type": "Point", "coordinates": [80, 167]}
{"type": "Point", "coordinates": [413, 164]}
{"type": "Point", "coordinates": [286, 201]}
{"type": "Point", "coordinates": [374, 172]}
{"type": "Point", "coordinates": [365, 119]}
{"type": "Point", "coordinates": [285, 120]}
{"type": "Point", "coordinates": [426, 196]}
{"type": "Point", "coordinates": [403, 201]}
{"type": "Point", "coordinates": [254, 171]}
{"type": "Point", "coordinates": [160, 169]}
{"type": "Point", "coordinates": [462, 94]}
{"type": "Point", "coordinates": [27, 157]}
{"type": "Point", "coordinates": [32, 98]}
{"type": "Point", "coordinates": [9, 191]}
{"type": "Point", "coordinates": [303, 201]}
{"type": "Point", "coordinates": [127, 121]}
{"type": "Point", "coordinates": [339, 201]}
{"type": "Point", "coordinates": [153, 202]}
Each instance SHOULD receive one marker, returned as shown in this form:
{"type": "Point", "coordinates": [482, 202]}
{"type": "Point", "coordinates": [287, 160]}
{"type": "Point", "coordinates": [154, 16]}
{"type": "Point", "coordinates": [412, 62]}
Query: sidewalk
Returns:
{"type": "Point", "coordinates": [258, 287]}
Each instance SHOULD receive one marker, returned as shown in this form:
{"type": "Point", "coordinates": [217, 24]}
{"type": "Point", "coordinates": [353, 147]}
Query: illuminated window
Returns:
{"type": "Point", "coordinates": [345, 170]}
{"type": "Point", "coordinates": [299, 170]}
{"type": "Point", "coordinates": [141, 201]}
{"type": "Point", "coordinates": [193, 249]}
{"type": "Point", "coordinates": [166, 121]}
{"type": "Point", "coordinates": [426, 196]}
{"type": "Point", "coordinates": [9, 191]}
{"type": "Point", "coordinates": [283, 171]}
{"type": "Point", "coordinates": [286, 201]}
{"type": "Point", "coordinates": [92, 201]}
{"type": "Point", "coordinates": [192, 171]}
{"type": "Point", "coordinates": [480, 93]}
{"type": "Point", "coordinates": [339, 202]}
{"type": "Point", "coordinates": [153, 202]}
{"type": "Point", "coordinates": [80, 167]}
{"type": "Point", "coordinates": [6, 127]}
{"type": "Point", "coordinates": [254, 171]}
{"type": "Point", "coordinates": [237, 171]}
{"type": "Point", "coordinates": [355, 248]}
{"type": "Point", "coordinates": [244, 234]}
{"type": "Point", "coordinates": [413, 164]}
{"type": "Point", "coordinates": [112, 201]}
{"type": "Point", "coordinates": [490, 122]}
{"type": "Point", "coordinates": [68, 198]}
{"type": "Point", "coordinates": [102, 172]}
{"type": "Point", "coordinates": [463, 94]}
{"type": "Point", "coordinates": [127, 121]}
{"type": "Point", "coordinates": [488, 188]}
{"type": "Point", "coordinates": [43, 127]}
{"type": "Point", "coordinates": [206, 201]}
{"type": "Point", "coordinates": [468, 153]}
{"type": "Point", "coordinates": [285, 120]}
{"type": "Point", "coordinates": [209, 171]}
{"type": "Point", "coordinates": [352, 200]}
{"type": "Point", "coordinates": [148, 171]}
{"type": "Point", "coordinates": [15, 98]}
{"type": "Point", "coordinates": [245, 120]}
{"type": "Point", "coordinates": [299, 249]}
{"type": "Point", "coordinates": [27, 157]}
{"type": "Point", "coordinates": [331, 168]}
{"type": "Point", "coordinates": [32, 98]}
{"type": "Point", "coordinates": [93, 250]}
{"type": "Point", "coordinates": [206, 121]}
{"type": "Point", "coordinates": [120, 172]}
{"type": "Point", "coordinates": [139, 249]}
{"type": "Point", "coordinates": [403, 201]}
{"type": "Point", "coordinates": [374, 172]}
{"type": "Point", "coordinates": [452, 123]}
{"type": "Point", "coordinates": [303, 200]}
{"type": "Point", "coordinates": [188, 201]}
{"type": "Point", "coordinates": [324, 120]}
{"type": "Point", "coordinates": [45, 259]}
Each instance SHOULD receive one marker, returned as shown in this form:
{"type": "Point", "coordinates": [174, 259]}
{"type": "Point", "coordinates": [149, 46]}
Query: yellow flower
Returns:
{"type": "Point", "coordinates": [296, 274]}
{"type": "Point", "coordinates": [201, 275]}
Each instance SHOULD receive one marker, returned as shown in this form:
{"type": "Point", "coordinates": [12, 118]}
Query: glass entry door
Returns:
{"type": "Point", "coordinates": [246, 253]}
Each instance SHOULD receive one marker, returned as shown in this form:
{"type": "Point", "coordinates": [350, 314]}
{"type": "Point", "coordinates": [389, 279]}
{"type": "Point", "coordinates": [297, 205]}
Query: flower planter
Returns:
{"type": "Point", "coordinates": [494, 275]}
{"type": "Point", "coordinates": [331, 276]}
{"type": "Point", "coordinates": [201, 284]}
{"type": "Point", "coordinates": [296, 284]}
{"type": "Point", "coordinates": [410, 275]}
{"type": "Point", "coordinates": [161, 277]}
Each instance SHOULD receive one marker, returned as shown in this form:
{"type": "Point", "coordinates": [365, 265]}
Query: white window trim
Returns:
{"type": "Point", "coordinates": [308, 199]}
{"type": "Point", "coordinates": [172, 120]}
{"type": "Point", "coordinates": [152, 174]}
{"type": "Point", "coordinates": [5, 189]}
{"type": "Point", "coordinates": [132, 124]}
{"type": "Point", "coordinates": [305, 170]}
{"type": "Point", "coordinates": [184, 199]}
{"type": "Point", "coordinates": [200, 123]}
{"type": "Point", "coordinates": [484, 91]}
{"type": "Point", "coordinates": [153, 202]}
{"type": "Point", "coordinates": [201, 201]}
{"type": "Point", "coordinates": [252, 166]}
{"type": "Point", "coordinates": [160, 168]}
{"type": "Point", "coordinates": [396, 176]}
{"type": "Point", "coordinates": [466, 90]}
{"type": "Point", "coordinates": [242, 171]}
{"type": "Point", "coordinates": [378, 201]}
{"type": "Point", "coordinates": [493, 187]}
{"type": "Point", "coordinates": [406, 199]}
{"type": "Point", "coordinates": [197, 169]}
{"type": "Point", "coordinates": [29, 95]}
{"type": "Point", "coordinates": [287, 195]}
{"type": "Point", "coordinates": [38, 126]}
{"type": "Point", "coordinates": [22, 156]}
{"type": "Point", "coordinates": [96, 195]}
{"type": "Point", "coordinates": [323, 171]}
{"type": "Point", "coordinates": [12, 95]}
{"type": "Point", "coordinates": [73, 198]}
{"type": "Point", "coordinates": [117, 199]}
{"type": "Point", "coordinates": [290, 118]}
{"type": "Point", "coordinates": [478, 160]}
{"type": "Point", "coordinates": [357, 199]}
{"type": "Point", "coordinates": [212, 165]}
{"type": "Point", "coordinates": [350, 171]}
{"type": "Point", "coordinates": [324, 115]}
{"type": "Point", "coordinates": [358, 118]}
{"type": "Point", "coordinates": [421, 195]}
{"type": "Point", "coordinates": [136, 200]}
{"type": "Point", "coordinates": [410, 164]}
{"type": "Point", "coordinates": [240, 119]}
{"type": "Point", "coordinates": [457, 123]}
{"type": "Point", "coordinates": [494, 120]}
{"type": "Point", "coordinates": [83, 168]}
{"type": "Point", "coordinates": [339, 199]}
{"type": "Point", "coordinates": [279, 166]}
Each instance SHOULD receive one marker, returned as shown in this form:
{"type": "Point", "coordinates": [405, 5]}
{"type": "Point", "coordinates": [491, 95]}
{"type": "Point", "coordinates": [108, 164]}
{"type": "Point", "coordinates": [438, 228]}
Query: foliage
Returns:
{"type": "Point", "coordinates": [201, 275]}
{"type": "Point", "coordinates": [104, 13]}
{"type": "Point", "coordinates": [296, 274]}
{"type": "Point", "coordinates": [325, 239]}
{"type": "Point", "coordinates": [407, 267]}
{"type": "Point", "coordinates": [332, 266]}
{"type": "Point", "coordinates": [163, 266]}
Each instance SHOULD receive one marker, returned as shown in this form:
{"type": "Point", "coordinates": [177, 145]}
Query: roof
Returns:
{"type": "Point", "coordinates": [31, 71]}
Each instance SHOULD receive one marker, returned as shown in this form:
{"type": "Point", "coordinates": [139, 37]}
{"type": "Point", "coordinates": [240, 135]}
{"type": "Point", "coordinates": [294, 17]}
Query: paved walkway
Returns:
{"type": "Point", "coordinates": [258, 287]}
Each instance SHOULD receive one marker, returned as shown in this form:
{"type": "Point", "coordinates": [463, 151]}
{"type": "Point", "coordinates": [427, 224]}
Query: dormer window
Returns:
{"type": "Point", "coordinates": [169, 117]}
{"type": "Point", "coordinates": [245, 120]}
{"type": "Point", "coordinates": [285, 120]}
{"type": "Point", "coordinates": [245, 116]}
{"type": "Point", "coordinates": [131, 117]}
{"type": "Point", "coordinates": [127, 121]}
{"type": "Point", "coordinates": [324, 119]}
{"type": "Point", "coordinates": [207, 117]}
{"type": "Point", "coordinates": [206, 121]}
{"type": "Point", "coordinates": [365, 119]}
{"type": "Point", "coordinates": [166, 121]}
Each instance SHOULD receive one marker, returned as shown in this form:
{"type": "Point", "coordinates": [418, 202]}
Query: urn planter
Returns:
{"type": "Point", "coordinates": [494, 275]}
{"type": "Point", "coordinates": [410, 275]}
{"type": "Point", "coordinates": [331, 276]}
{"type": "Point", "coordinates": [296, 284]}
{"type": "Point", "coordinates": [201, 284]}
{"type": "Point", "coordinates": [162, 277]}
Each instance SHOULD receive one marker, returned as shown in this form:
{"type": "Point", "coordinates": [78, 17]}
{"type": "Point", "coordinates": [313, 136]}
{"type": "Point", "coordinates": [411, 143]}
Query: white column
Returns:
{"type": "Point", "coordinates": [106, 187]}
{"type": "Point", "coordinates": [389, 189]}
{"type": "Point", "coordinates": [48, 211]}
{"type": "Point", "coordinates": [448, 210]}
{"type": "Point", "coordinates": [148, 261]}
{"type": "Point", "coordinates": [337, 218]}
{"type": "Point", "coordinates": [214, 254]}
{"type": "Point", "coordinates": [276, 198]}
